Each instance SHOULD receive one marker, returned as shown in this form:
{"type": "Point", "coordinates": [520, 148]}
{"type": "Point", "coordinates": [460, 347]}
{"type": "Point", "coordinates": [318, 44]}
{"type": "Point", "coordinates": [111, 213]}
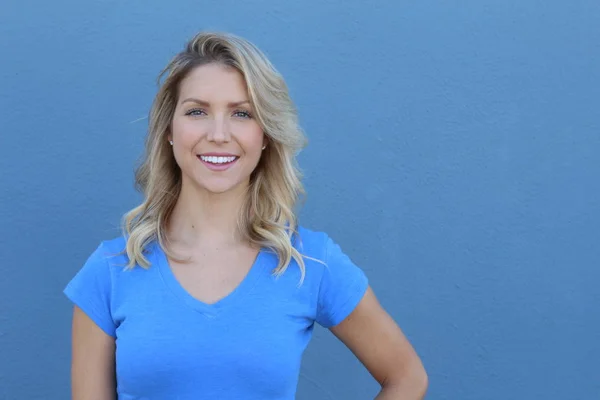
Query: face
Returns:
{"type": "Point", "coordinates": [217, 143]}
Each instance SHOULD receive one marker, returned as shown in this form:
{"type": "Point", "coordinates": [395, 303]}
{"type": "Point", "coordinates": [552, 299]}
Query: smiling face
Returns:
{"type": "Point", "coordinates": [217, 143]}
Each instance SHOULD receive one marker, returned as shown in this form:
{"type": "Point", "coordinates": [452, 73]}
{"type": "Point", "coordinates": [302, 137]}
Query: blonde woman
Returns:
{"type": "Point", "coordinates": [214, 289]}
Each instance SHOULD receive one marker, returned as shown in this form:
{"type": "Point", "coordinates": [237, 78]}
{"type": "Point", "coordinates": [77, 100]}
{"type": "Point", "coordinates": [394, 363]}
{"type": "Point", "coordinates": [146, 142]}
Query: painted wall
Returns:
{"type": "Point", "coordinates": [454, 155]}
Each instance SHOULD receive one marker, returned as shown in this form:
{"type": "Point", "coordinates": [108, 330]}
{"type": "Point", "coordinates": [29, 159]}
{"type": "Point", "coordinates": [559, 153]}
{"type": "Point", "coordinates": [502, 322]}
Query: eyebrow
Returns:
{"type": "Point", "coordinates": [207, 104]}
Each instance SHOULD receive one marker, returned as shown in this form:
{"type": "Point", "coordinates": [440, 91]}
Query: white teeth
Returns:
{"type": "Point", "coordinates": [217, 160]}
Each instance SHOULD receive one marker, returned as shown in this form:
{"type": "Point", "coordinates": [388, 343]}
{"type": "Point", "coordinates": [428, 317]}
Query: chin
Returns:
{"type": "Point", "coordinates": [218, 187]}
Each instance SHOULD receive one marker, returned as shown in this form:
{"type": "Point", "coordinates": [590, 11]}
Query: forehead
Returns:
{"type": "Point", "coordinates": [214, 82]}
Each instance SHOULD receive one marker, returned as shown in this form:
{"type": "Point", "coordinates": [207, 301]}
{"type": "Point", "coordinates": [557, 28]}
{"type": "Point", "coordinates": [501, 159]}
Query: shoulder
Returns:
{"type": "Point", "coordinates": [105, 269]}
{"type": "Point", "coordinates": [341, 283]}
{"type": "Point", "coordinates": [316, 242]}
{"type": "Point", "coordinates": [310, 237]}
{"type": "Point", "coordinates": [115, 244]}
{"type": "Point", "coordinates": [111, 251]}
{"type": "Point", "coordinates": [312, 243]}
{"type": "Point", "coordinates": [92, 288]}
{"type": "Point", "coordinates": [318, 245]}
{"type": "Point", "coordinates": [111, 254]}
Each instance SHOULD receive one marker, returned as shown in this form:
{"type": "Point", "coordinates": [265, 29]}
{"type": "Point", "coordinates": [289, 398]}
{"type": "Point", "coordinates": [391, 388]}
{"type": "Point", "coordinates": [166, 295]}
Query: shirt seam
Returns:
{"type": "Point", "coordinates": [357, 284]}
{"type": "Point", "coordinates": [111, 284]}
{"type": "Point", "coordinates": [322, 276]}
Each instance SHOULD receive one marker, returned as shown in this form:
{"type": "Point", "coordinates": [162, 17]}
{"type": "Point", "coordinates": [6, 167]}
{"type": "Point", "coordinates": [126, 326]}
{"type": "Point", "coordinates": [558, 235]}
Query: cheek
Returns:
{"type": "Point", "coordinates": [186, 132]}
{"type": "Point", "coordinates": [185, 137]}
{"type": "Point", "coordinates": [252, 140]}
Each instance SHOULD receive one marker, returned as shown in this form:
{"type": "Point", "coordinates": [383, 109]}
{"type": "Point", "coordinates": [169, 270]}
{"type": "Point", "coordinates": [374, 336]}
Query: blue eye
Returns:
{"type": "Point", "coordinates": [195, 112]}
{"type": "Point", "coordinates": [242, 114]}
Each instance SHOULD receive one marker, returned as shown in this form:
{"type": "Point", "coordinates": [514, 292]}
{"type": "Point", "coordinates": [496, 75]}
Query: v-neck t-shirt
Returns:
{"type": "Point", "coordinates": [248, 345]}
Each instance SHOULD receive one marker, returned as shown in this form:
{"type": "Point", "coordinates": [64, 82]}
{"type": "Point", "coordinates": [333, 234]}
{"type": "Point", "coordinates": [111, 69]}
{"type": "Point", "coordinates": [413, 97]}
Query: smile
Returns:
{"type": "Point", "coordinates": [218, 163]}
{"type": "Point", "coordinates": [218, 160]}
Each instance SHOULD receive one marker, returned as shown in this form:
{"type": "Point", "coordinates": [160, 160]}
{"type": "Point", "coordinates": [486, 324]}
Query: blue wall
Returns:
{"type": "Point", "coordinates": [454, 154]}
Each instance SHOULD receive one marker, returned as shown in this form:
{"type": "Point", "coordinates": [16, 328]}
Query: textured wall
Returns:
{"type": "Point", "coordinates": [454, 155]}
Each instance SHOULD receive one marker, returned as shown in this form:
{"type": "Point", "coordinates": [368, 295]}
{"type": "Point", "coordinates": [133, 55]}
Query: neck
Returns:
{"type": "Point", "coordinates": [202, 218]}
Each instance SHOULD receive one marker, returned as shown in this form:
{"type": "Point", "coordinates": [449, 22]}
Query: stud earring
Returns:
{"type": "Point", "coordinates": [171, 142]}
{"type": "Point", "coordinates": [264, 147]}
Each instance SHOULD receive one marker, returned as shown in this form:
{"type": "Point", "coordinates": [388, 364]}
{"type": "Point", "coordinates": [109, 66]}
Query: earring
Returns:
{"type": "Point", "coordinates": [171, 142]}
{"type": "Point", "coordinates": [264, 147]}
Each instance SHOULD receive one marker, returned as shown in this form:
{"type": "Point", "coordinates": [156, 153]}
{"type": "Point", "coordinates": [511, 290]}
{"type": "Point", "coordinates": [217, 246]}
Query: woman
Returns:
{"type": "Point", "coordinates": [213, 290]}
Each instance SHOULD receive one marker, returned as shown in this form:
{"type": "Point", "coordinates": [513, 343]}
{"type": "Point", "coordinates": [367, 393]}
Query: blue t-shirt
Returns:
{"type": "Point", "coordinates": [249, 345]}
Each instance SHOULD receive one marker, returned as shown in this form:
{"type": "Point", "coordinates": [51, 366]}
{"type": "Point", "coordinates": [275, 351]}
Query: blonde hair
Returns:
{"type": "Point", "coordinates": [268, 217]}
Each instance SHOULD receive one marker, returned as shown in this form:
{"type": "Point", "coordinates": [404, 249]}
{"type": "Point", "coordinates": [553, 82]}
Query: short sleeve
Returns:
{"type": "Point", "coordinates": [90, 290]}
{"type": "Point", "coordinates": [343, 286]}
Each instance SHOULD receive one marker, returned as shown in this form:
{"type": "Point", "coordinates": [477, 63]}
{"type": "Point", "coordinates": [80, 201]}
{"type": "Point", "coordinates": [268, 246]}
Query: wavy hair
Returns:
{"type": "Point", "coordinates": [268, 217]}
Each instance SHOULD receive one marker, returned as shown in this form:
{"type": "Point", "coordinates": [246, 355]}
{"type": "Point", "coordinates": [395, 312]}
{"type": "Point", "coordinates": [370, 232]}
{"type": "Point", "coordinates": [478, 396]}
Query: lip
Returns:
{"type": "Point", "coordinates": [218, 167]}
{"type": "Point", "coordinates": [218, 155]}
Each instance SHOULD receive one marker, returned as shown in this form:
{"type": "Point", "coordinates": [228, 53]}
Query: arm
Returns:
{"type": "Point", "coordinates": [373, 336]}
{"type": "Point", "coordinates": [93, 360]}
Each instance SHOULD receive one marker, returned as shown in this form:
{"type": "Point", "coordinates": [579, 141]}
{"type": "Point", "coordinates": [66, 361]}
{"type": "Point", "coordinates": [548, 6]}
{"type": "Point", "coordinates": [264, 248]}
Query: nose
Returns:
{"type": "Point", "coordinates": [219, 131]}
